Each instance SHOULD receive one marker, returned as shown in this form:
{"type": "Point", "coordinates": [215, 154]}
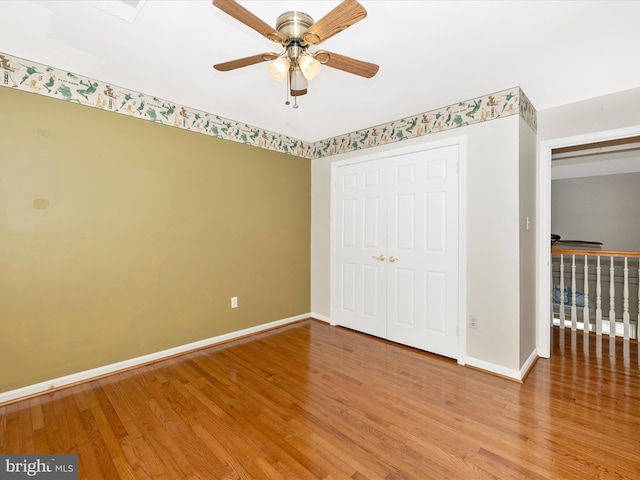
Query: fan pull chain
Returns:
{"type": "Point", "coordinates": [288, 87]}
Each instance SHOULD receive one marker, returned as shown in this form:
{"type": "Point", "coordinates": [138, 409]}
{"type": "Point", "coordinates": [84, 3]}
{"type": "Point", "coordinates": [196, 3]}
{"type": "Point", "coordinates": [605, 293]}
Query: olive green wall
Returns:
{"type": "Point", "coordinates": [120, 237]}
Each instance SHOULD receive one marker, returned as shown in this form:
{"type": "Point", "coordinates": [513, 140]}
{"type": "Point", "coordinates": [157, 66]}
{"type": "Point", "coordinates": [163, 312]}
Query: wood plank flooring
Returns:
{"type": "Point", "coordinates": [311, 401]}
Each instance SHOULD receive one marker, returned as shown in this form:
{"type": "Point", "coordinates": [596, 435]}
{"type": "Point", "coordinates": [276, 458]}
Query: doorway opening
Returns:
{"type": "Point", "coordinates": [566, 145]}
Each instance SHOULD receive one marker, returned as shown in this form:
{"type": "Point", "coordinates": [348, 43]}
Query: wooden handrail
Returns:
{"type": "Point", "coordinates": [601, 253]}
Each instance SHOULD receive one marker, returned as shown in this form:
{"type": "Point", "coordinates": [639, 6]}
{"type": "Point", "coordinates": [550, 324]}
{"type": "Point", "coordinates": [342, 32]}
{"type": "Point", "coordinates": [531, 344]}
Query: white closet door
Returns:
{"type": "Point", "coordinates": [396, 249]}
{"type": "Point", "coordinates": [423, 250]}
{"type": "Point", "coordinates": [360, 250]}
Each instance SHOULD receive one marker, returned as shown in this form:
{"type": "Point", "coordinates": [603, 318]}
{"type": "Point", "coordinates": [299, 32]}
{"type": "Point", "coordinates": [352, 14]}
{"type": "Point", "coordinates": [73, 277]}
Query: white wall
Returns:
{"type": "Point", "coordinates": [493, 223]}
{"type": "Point", "coordinates": [528, 325]}
{"type": "Point", "coordinates": [609, 112]}
{"type": "Point", "coordinates": [603, 209]}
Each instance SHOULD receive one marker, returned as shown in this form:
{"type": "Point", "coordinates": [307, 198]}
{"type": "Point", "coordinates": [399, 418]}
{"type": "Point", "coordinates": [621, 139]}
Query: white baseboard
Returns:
{"type": "Point", "coordinates": [493, 368]}
{"type": "Point", "coordinates": [138, 361]}
{"type": "Point", "coordinates": [322, 318]}
{"type": "Point", "coordinates": [529, 363]}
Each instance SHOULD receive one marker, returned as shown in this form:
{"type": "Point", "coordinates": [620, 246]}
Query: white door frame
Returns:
{"type": "Point", "coordinates": [461, 142]}
{"type": "Point", "coordinates": [543, 227]}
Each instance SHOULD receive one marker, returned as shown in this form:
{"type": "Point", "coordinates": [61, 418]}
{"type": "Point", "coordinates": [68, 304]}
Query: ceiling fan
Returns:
{"type": "Point", "coordinates": [296, 32]}
{"type": "Point", "coordinates": [556, 240]}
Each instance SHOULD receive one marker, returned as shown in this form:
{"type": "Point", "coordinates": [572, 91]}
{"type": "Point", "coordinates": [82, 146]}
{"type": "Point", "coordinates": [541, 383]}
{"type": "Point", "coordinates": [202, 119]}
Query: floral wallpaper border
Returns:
{"type": "Point", "coordinates": [55, 83]}
{"type": "Point", "coordinates": [482, 109]}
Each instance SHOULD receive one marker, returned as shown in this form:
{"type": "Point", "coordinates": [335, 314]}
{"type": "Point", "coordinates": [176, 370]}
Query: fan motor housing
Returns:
{"type": "Point", "coordinates": [293, 24]}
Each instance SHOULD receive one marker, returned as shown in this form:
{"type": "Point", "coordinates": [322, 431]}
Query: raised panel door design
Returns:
{"type": "Point", "coordinates": [372, 222]}
{"type": "Point", "coordinates": [349, 223]}
{"type": "Point", "coordinates": [435, 212]}
{"type": "Point", "coordinates": [423, 281]}
{"type": "Point", "coordinates": [347, 278]}
{"type": "Point", "coordinates": [404, 208]}
{"type": "Point", "coordinates": [403, 297]}
{"type": "Point", "coordinates": [404, 226]}
{"type": "Point", "coordinates": [360, 206]}
{"type": "Point", "coordinates": [435, 295]}
{"type": "Point", "coordinates": [371, 291]}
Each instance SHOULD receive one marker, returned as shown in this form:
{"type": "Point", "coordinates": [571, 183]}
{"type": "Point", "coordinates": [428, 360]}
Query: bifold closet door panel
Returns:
{"type": "Point", "coordinates": [361, 242]}
{"type": "Point", "coordinates": [422, 279]}
{"type": "Point", "coordinates": [396, 248]}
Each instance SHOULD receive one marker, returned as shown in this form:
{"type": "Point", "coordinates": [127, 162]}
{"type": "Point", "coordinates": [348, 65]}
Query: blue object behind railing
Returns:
{"type": "Point", "coordinates": [568, 298]}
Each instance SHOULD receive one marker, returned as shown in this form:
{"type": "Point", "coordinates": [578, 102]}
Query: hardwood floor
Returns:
{"type": "Point", "coordinates": [310, 401]}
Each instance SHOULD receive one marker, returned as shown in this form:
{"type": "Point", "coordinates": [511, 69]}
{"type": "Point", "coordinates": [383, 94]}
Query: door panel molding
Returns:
{"type": "Point", "coordinates": [428, 281]}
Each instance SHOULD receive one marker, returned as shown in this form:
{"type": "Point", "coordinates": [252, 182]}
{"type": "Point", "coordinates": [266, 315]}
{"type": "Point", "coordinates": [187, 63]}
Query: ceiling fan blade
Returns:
{"type": "Point", "coordinates": [237, 11]}
{"type": "Point", "coordinates": [578, 242]}
{"type": "Point", "coordinates": [244, 62]}
{"type": "Point", "coordinates": [341, 17]}
{"type": "Point", "coordinates": [347, 64]}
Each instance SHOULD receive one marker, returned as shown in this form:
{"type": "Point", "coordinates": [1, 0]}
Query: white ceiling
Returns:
{"type": "Point", "coordinates": [431, 54]}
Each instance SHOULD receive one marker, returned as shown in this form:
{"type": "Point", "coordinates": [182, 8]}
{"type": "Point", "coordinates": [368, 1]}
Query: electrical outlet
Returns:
{"type": "Point", "coordinates": [473, 321]}
{"type": "Point", "coordinates": [234, 302]}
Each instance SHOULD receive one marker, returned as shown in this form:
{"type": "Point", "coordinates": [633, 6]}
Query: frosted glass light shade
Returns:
{"type": "Point", "coordinates": [298, 83]}
{"type": "Point", "coordinates": [278, 69]}
{"type": "Point", "coordinates": [309, 66]}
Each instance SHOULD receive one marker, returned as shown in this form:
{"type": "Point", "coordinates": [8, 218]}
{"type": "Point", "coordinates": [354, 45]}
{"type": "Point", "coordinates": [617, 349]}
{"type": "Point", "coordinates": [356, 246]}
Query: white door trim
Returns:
{"type": "Point", "coordinates": [461, 142]}
{"type": "Point", "coordinates": [543, 227]}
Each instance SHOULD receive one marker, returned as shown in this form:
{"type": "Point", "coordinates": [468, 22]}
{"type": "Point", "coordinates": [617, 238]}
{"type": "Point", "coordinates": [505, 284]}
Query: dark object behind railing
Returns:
{"type": "Point", "coordinates": [556, 240]}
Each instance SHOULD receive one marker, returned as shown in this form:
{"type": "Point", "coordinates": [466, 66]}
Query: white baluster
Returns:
{"type": "Point", "coordinates": [612, 301]}
{"type": "Point", "coordinates": [552, 296]}
{"type": "Point", "coordinates": [598, 298]}
{"type": "Point", "coordinates": [638, 317]}
{"type": "Point", "coordinates": [585, 309]}
{"type": "Point", "coordinates": [625, 300]}
{"type": "Point", "coordinates": [574, 313]}
{"type": "Point", "coordinates": [562, 299]}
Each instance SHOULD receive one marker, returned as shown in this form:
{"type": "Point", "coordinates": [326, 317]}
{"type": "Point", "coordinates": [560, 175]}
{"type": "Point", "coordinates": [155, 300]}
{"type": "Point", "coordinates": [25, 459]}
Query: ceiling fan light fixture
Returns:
{"type": "Point", "coordinates": [278, 69]}
{"type": "Point", "coordinates": [298, 83]}
{"type": "Point", "coordinates": [309, 66]}
{"type": "Point", "coordinates": [296, 31]}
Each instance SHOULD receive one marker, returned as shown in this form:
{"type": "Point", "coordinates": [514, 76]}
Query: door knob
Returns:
{"type": "Point", "coordinates": [379, 257]}
{"type": "Point", "coordinates": [392, 259]}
